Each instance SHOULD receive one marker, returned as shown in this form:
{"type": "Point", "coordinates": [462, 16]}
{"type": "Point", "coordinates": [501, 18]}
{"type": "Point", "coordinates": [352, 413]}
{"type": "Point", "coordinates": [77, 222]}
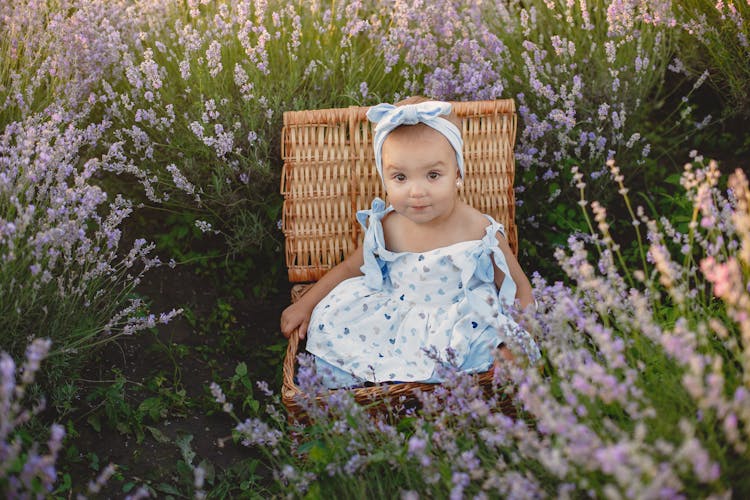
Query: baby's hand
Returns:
{"type": "Point", "coordinates": [295, 316]}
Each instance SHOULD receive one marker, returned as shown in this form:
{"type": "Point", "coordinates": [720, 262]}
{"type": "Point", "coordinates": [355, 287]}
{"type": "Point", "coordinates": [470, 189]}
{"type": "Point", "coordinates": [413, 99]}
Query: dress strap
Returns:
{"type": "Point", "coordinates": [478, 263]}
{"type": "Point", "coordinates": [507, 292]}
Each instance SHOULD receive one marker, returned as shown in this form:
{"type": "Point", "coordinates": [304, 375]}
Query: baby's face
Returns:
{"type": "Point", "coordinates": [420, 173]}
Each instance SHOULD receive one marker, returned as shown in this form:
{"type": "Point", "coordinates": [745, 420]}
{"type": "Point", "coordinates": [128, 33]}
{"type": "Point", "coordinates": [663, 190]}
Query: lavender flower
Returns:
{"type": "Point", "coordinates": [37, 473]}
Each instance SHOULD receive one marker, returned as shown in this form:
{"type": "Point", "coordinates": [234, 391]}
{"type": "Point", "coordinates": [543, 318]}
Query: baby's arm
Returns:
{"type": "Point", "coordinates": [523, 286]}
{"type": "Point", "coordinates": [298, 314]}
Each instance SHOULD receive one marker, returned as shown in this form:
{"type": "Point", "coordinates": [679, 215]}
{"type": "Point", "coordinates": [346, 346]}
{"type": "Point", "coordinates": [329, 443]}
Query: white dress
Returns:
{"type": "Point", "coordinates": [411, 311]}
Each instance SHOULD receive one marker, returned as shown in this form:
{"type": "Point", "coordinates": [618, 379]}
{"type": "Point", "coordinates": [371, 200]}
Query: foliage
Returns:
{"type": "Point", "coordinates": [113, 404]}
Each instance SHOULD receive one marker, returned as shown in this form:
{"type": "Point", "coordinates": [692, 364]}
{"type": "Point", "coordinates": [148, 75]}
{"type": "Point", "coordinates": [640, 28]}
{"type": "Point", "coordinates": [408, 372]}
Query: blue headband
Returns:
{"type": "Point", "coordinates": [388, 117]}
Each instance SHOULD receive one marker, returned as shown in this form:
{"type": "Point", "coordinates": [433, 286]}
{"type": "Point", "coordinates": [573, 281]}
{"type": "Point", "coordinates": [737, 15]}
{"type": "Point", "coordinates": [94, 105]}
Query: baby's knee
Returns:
{"type": "Point", "coordinates": [505, 353]}
{"type": "Point", "coordinates": [504, 356]}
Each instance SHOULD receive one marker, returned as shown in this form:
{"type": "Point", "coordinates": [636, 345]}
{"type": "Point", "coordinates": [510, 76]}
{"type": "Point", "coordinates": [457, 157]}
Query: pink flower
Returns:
{"type": "Point", "coordinates": [721, 275]}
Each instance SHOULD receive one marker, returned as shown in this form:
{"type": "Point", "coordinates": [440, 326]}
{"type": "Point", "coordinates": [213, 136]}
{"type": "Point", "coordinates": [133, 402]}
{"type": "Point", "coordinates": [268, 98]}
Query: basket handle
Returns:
{"type": "Point", "coordinates": [290, 361]}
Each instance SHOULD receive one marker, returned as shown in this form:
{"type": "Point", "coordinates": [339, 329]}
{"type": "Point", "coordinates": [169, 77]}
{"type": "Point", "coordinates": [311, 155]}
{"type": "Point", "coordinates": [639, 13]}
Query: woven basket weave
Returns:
{"type": "Point", "coordinates": [329, 174]}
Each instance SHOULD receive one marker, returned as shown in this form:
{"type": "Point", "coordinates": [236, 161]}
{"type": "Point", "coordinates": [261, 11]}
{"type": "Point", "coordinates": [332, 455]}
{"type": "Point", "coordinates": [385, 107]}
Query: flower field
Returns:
{"type": "Point", "coordinates": [142, 270]}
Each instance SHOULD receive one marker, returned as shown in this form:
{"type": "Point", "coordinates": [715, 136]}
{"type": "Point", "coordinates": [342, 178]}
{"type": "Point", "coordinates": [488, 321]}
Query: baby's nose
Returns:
{"type": "Point", "coordinates": [416, 190]}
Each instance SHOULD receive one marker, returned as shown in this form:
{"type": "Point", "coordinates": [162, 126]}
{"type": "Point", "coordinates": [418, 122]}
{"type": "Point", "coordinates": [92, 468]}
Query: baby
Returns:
{"type": "Point", "coordinates": [433, 274]}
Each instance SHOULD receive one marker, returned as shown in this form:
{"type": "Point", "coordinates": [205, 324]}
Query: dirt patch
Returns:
{"type": "Point", "coordinates": [173, 368]}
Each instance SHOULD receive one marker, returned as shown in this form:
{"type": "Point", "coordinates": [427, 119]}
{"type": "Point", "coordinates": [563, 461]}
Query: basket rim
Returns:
{"type": "Point", "coordinates": [291, 393]}
{"type": "Point", "coordinates": [358, 113]}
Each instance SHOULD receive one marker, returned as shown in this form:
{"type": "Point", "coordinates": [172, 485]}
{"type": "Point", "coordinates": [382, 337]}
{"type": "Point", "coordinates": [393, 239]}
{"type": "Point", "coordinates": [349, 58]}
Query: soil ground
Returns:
{"type": "Point", "coordinates": [185, 357]}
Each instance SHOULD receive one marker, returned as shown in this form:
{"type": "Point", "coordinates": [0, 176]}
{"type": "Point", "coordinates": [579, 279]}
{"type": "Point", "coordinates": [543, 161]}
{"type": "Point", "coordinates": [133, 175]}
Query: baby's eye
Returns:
{"type": "Point", "coordinates": [433, 175]}
{"type": "Point", "coordinates": [400, 177]}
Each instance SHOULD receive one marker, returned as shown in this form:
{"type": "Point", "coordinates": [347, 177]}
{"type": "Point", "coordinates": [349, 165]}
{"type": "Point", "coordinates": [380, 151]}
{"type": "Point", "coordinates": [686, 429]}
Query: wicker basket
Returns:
{"type": "Point", "coordinates": [329, 175]}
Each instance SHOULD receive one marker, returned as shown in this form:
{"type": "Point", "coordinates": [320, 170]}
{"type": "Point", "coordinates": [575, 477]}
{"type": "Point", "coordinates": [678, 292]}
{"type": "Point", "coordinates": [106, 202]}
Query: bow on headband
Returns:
{"type": "Point", "coordinates": [388, 117]}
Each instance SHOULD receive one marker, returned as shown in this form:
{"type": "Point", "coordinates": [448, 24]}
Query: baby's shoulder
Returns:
{"type": "Point", "coordinates": [473, 222]}
{"type": "Point", "coordinates": [392, 226]}
{"type": "Point", "coordinates": [390, 220]}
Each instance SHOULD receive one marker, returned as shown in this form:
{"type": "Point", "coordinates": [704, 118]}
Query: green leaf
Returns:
{"type": "Point", "coordinates": [93, 461]}
{"type": "Point", "coordinates": [251, 403]}
{"type": "Point", "coordinates": [314, 492]}
{"type": "Point", "coordinates": [379, 456]}
{"type": "Point", "coordinates": [167, 488]}
{"type": "Point", "coordinates": [94, 422]}
{"type": "Point", "coordinates": [158, 435]}
{"type": "Point", "coordinates": [673, 179]}
{"type": "Point", "coordinates": [71, 453]}
{"type": "Point", "coordinates": [183, 442]}
{"type": "Point", "coordinates": [65, 485]}
{"type": "Point", "coordinates": [319, 454]}
{"type": "Point", "coordinates": [277, 347]}
{"type": "Point", "coordinates": [185, 470]}
{"type": "Point", "coordinates": [154, 407]}
{"type": "Point", "coordinates": [406, 424]}
{"type": "Point", "coordinates": [241, 369]}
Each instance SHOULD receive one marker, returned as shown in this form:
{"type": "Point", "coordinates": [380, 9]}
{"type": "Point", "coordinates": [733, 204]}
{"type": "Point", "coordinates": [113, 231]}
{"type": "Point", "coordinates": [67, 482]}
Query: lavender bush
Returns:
{"type": "Point", "coordinates": [25, 470]}
{"type": "Point", "coordinates": [195, 95]}
{"type": "Point", "coordinates": [208, 88]}
{"type": "Point", "coordinates": [60, 52]}
{"type": "Point", "coordinates": [198, 117]}
{"type": "Point", "coordinates": [716, 35]}
{"type": "Point", "coordinates": [582, 75]}
{"type": "Point", "coordinates": [642, 393]}
{"type": "Point", "coordinates": [64, 270]}
{"type": "Point", "coordinates": [580, 72]}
